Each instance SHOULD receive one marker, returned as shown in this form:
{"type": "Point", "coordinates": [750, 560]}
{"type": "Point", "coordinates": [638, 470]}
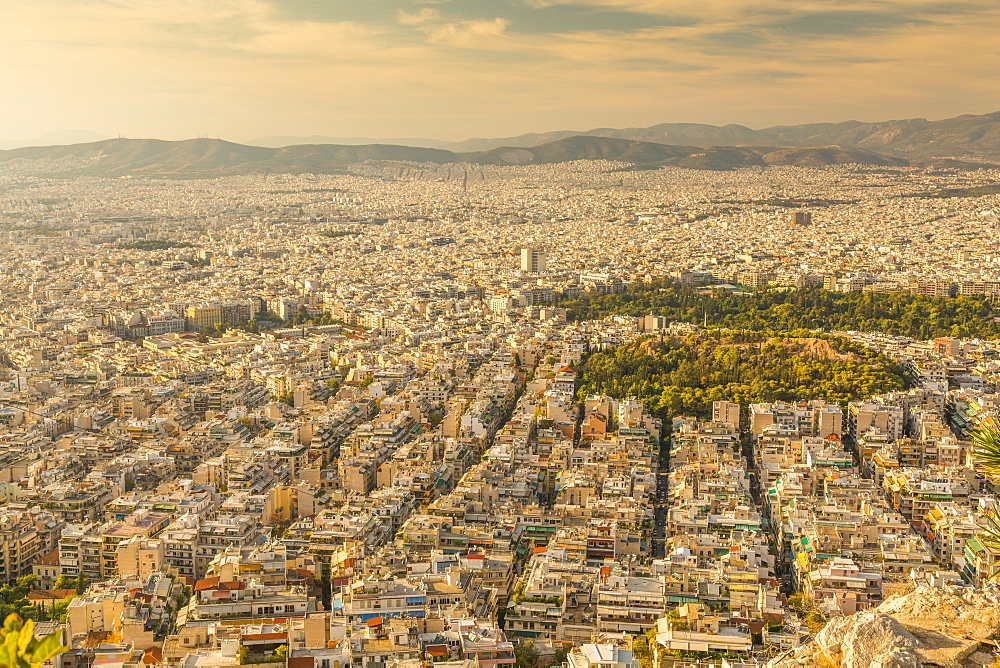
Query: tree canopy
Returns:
{"type": "Point", "coordinates": [894, 313]}
{"type": "Point", "coordinates": [684, 375]}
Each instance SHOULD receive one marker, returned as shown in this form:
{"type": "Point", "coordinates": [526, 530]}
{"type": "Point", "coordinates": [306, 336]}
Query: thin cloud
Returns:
{"type": "Point", "coordinates": [477, 33]}
{"type": "Point", "coordinates": [469, 33]}
{"type": "Point", "coordinates": [252, 67]}
{"type": "Point", "coordinates": [421, 17]}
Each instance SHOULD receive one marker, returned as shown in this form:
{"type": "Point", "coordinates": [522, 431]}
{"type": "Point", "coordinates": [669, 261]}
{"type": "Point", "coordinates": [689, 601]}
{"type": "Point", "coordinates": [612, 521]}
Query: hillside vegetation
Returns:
{"type": "Point", "coordinates": [684, 375]}
{"type": "Point", "coordinates": [894, 313]}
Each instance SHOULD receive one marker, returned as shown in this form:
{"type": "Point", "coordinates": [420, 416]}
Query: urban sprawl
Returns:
{"type": "Point", "coordinates": [339, 420]}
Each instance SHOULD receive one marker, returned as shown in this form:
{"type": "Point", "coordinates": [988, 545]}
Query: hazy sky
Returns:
{"type": "Point", "coordinates": [453, 69]}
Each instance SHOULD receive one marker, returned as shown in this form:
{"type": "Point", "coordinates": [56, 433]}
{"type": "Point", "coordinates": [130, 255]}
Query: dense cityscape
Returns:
{"type": "Point", "coordinates": [357, 419]}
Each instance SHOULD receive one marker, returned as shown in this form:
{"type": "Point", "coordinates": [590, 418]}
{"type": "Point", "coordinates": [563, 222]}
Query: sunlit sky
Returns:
{"type": "Point", "coordinates": [453, 69]}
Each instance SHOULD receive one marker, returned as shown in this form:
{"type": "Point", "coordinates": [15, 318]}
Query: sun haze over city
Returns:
{"type": "Point", "coordinates": [500, 333]}
{"type": "Point", "coordinates": [453, 69]}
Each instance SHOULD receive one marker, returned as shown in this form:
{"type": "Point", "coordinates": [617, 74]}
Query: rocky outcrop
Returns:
{"type": "Point", "coordinates": [925, 627]}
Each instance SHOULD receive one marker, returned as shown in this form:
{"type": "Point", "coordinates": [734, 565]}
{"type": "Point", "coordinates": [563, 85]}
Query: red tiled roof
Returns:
{"type": "Point", "coordinates": [42, 595]}
{"type": "Point", "coordinates": [265, 636]}
{"type": "Point", "coordinates": [50, 594]}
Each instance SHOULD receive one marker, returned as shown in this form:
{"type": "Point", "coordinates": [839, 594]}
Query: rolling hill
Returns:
{"type": "Point", "coordinates": [281, 141]}
{"type": "Point", "coordinates": [205, 158]}
{"type": "Point", "coordinates": [200, 158]}
{"type": "Point", "coordinates": [968, 136]}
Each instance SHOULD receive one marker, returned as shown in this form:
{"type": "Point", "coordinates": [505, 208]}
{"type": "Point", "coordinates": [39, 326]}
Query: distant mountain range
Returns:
{"type": "Point", "coordinates": [965, 142]}
{"type": "Point", "coordinates": [969, 136]}
{"type": "Point", "coordinates": [975, 137]}
{"type": "Point", "coordinates": [282, 141]}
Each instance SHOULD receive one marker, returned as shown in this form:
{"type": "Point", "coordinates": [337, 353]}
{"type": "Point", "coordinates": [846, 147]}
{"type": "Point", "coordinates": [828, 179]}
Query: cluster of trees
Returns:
{"type": "Point", "coordinates": [220, 328]}
{"type": "Point", "coordinates": [14, 598]}
{"type": "Point", "coordinates": [272, 320]}
{"type": "Point", "coordinates": [79, 583]}
{"type": "Point", "coordinates": [674, 375]}
{"type": "Point", "coordinates": [813, 617]}
{"type": "Point", "coordinates": [245, 656]}
{"type": "Point", "coordinates": [526, 655]}
{"type": "Point", "coordinates": [302, 317]}
{"type": "Point", "coordinates": [895, 313]}
{"type": "Point", "coordinates": [254, 326]}
{"type": "Point", "coordinates": [155, 244]}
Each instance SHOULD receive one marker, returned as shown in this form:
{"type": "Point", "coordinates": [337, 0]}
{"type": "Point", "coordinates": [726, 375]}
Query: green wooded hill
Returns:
{"type": "Point", "coordinates": [894, 313]}
{"type": "Point", "coordinates": [684, 375]}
